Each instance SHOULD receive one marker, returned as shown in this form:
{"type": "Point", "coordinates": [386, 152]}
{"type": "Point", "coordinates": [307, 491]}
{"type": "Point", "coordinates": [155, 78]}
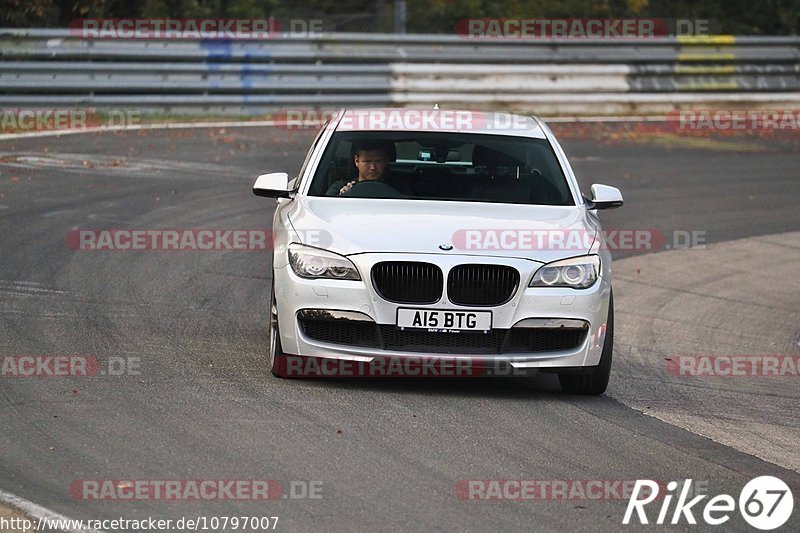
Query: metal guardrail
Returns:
{"type": "Point", "coordinates": [56, 68]}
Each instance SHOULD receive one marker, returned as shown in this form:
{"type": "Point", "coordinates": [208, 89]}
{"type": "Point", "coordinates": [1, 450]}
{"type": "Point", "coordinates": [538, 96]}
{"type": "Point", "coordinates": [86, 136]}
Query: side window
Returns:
{"type": "Point", "coordinates": [336, 164]}
{"type": "Point", "coordinates": [545, 161]}
{"type": "Point", "coordinates": [294, 182]}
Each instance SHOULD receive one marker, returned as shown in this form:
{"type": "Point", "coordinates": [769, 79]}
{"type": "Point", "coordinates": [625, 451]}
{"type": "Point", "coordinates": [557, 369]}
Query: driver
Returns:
{"type": "Point", "coordinates": [371, 160]}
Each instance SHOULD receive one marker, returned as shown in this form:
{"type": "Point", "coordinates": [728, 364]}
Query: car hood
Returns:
{"type": "Point", "coordinates": [359, 225]}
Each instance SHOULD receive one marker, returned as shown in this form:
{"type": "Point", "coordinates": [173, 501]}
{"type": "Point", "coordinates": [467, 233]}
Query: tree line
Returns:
{"type": "Point", "coordinates": [738, 17]}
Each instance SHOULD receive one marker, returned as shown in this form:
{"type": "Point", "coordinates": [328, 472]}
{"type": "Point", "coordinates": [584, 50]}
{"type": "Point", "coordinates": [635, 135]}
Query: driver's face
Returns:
{"type": "Point", "coordinates": [371, 164]}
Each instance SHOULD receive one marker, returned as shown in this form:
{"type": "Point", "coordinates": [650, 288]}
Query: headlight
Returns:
{"type": "Point", "coordinates": [313, 263]}
{"type": "Point", "coordinates": [578, 273]}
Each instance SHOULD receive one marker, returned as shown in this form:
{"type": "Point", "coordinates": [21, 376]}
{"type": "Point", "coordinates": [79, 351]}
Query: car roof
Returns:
{"type": "Point", "coordinates": [438, 120]}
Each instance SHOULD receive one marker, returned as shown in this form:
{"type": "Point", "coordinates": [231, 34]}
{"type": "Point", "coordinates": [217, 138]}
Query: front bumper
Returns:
{"type": "Point", "coordinates": [530, 308]}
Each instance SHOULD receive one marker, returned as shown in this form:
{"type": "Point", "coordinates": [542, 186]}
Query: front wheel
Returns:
{"type": "Point", "coordinates": [277, 359]}
{"type": "Point", "coordinates": [595, 382]}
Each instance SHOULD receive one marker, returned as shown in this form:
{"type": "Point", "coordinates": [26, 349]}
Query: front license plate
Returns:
{"type": "Point", "coordinates": [437, 320]}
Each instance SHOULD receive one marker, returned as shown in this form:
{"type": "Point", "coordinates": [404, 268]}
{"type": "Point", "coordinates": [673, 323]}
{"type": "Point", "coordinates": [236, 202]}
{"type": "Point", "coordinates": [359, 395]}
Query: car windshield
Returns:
{"type": "Point", "coordinates": [446, 167]}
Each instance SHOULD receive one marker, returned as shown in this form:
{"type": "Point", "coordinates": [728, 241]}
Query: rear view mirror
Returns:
{"type": "Point", "coordinates": [604, 197]}
{"type": "Point", "coordinates": [272, 185]}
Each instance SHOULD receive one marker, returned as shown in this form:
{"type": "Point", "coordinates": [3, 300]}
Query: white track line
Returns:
{"type": "Point", "coordinates": [272, 123]}
{"type": "Point", "coordinates": [135, 127]}
{"type": "Point", "coordinates": [622, 118]}
{"type": "Point", "coordinates": [39, 513]}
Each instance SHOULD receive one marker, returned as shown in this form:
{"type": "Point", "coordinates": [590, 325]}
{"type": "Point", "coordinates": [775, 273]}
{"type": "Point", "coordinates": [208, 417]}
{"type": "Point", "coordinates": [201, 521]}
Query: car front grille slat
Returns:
{"type": "Point", "coordinates": [544, 339]}
{"type": "Point", "coordinates": [482, 285]}
{"type": "Point", "coordinates": [345, 332]}
{"type": "Point", "coordinates": [389, 337]}
{"type": "Point", "coordinates": [408, 282]}
{"type": "Point", "coordinates": [421, 341]}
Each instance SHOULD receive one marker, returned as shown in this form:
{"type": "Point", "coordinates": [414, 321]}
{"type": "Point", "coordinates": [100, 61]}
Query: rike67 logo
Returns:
{"type": "Point", "coordinates": [765, 503]}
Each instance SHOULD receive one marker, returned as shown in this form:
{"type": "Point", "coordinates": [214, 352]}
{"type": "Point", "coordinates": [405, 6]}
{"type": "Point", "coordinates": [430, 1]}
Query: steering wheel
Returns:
{"type": "Point", "coordinates": [372, 189]}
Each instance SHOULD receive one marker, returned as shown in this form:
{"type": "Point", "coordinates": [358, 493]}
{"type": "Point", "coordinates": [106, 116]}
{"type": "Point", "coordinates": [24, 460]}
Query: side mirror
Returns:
{"type": "Point", "coordinates": [272, 185]}
{"type": "Point", "coordinates": [604, 197]}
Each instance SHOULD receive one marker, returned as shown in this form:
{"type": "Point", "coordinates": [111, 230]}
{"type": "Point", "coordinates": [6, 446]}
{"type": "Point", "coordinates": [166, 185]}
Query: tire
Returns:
{"type": "Point", "coordinates": [594, 382]}
{"type": "Point", "coordinates": [277, 359]}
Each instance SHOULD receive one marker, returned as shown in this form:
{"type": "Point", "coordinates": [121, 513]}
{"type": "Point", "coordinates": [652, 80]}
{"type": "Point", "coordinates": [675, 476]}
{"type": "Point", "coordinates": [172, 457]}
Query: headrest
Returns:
{"type": "Point", "coordinates": [386, 146]}
{"type": "Point", "coordinates": [486, 157]}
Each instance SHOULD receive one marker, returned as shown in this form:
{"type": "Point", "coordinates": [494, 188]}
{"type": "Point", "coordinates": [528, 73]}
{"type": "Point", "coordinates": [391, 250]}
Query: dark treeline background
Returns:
{"type": "Point", "coordinates": [739, 17]}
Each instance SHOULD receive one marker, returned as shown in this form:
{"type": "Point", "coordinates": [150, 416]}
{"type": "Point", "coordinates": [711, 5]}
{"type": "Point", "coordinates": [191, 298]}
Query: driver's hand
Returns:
{"type": "Point", "coordinates": [347, 187]}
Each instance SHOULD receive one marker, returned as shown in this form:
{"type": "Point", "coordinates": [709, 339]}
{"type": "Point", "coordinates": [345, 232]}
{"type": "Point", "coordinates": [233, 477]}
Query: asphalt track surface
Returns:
{"type": "Point", "coordinates": [389, 452]}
